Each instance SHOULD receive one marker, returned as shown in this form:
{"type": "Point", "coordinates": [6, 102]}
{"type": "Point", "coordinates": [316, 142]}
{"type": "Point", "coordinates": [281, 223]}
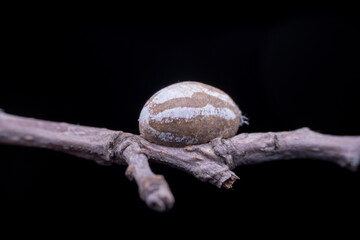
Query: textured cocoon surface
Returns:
{"type": "Point", "coordinates": [188, 113]}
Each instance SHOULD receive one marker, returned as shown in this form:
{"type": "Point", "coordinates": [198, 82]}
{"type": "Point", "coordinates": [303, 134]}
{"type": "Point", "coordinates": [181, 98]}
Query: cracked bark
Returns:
{"type": "Point", "coordinates": [211, 162]}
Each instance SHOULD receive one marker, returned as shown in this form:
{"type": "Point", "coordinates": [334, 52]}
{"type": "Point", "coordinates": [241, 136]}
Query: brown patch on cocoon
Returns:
{"type": "Point", "coordinates": [198, 100]}
{"type": "Point", "coordinates": [201, 128]}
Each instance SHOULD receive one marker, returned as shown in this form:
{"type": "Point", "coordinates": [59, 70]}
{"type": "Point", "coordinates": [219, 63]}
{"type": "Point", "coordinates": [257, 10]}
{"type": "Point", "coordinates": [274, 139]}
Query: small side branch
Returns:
{"type": "Point", "coordinates": [153, 189]}
{"type": "Point", "coordinates": [200, 161]}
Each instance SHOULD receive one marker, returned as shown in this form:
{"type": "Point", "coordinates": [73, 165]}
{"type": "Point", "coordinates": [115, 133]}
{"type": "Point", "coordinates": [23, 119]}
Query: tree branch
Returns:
{"type": "Point", "coordinates": [302, 143]}
{"type": "Point", "coordinates": [210, 162]}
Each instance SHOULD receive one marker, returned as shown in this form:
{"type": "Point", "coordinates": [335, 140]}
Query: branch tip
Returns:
{"type": "Point", "coordinates": [157, 194]}
{"type": "Point", "coordinates": [153, 189]}
{"type": "Point", "coordinates": [228, 184]}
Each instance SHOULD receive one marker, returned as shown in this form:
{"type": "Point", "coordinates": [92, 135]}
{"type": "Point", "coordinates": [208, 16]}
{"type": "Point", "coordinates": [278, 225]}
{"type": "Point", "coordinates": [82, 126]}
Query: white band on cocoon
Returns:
{"type": "Point", "coordinates": [186, 90]}
{"type": "Point", "coordinates": [188, 113]}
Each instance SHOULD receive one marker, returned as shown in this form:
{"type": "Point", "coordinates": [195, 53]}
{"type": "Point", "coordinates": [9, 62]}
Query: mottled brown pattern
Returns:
{"type": "Point", "coordinates": [149, 135]}
{"type": "Point", "coordinates": [202, 128]}
{"type": "Point", "coordinates": [198, 100]}
{"type": "Point", "coordinates": [210, 87]}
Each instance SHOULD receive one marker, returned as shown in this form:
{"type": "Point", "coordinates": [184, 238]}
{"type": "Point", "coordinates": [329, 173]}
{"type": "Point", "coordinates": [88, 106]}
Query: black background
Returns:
{"type": "Point", "coordinates": [285, 71]}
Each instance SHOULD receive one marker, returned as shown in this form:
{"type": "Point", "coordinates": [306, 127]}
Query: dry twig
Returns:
{"type": "Point", "coordinates": [210, 162]}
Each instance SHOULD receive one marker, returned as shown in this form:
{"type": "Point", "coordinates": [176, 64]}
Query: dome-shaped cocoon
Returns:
{"type": "Point", "coordinates": [188, 113]}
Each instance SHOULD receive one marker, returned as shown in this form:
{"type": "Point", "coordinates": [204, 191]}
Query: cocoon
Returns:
{"type": "Point", "coordinates": [188, 113]}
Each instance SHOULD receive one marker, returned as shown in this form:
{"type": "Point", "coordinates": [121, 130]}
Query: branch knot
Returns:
{"type": "Point", "coordinates": [222, 148]}
{"type": "Point", "coordinates": [120, 143]}
{"type": "Point", "coordinates": [111, 156]}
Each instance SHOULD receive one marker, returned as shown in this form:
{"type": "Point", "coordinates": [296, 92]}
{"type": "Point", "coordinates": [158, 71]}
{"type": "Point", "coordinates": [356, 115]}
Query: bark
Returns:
{"type": "Point", "coordinates": [211, 162]}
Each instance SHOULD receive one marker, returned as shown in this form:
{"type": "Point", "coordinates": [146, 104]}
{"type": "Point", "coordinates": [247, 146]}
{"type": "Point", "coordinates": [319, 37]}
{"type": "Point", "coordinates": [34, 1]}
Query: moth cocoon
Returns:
{"type": "Point", "coordinates": [188, 113]}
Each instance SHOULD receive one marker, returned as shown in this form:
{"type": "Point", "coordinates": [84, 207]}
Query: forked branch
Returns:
{"type": "Point", "coordinates": [210, 162]}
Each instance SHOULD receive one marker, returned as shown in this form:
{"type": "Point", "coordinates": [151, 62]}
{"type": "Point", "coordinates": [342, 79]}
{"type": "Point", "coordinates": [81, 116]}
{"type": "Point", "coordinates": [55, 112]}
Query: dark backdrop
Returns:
{"type": "Point", "coordinates": [285, 71]}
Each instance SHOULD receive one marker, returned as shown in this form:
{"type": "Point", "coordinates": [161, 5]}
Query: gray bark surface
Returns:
{"type": "Point", "coordinates": [212, 162]}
